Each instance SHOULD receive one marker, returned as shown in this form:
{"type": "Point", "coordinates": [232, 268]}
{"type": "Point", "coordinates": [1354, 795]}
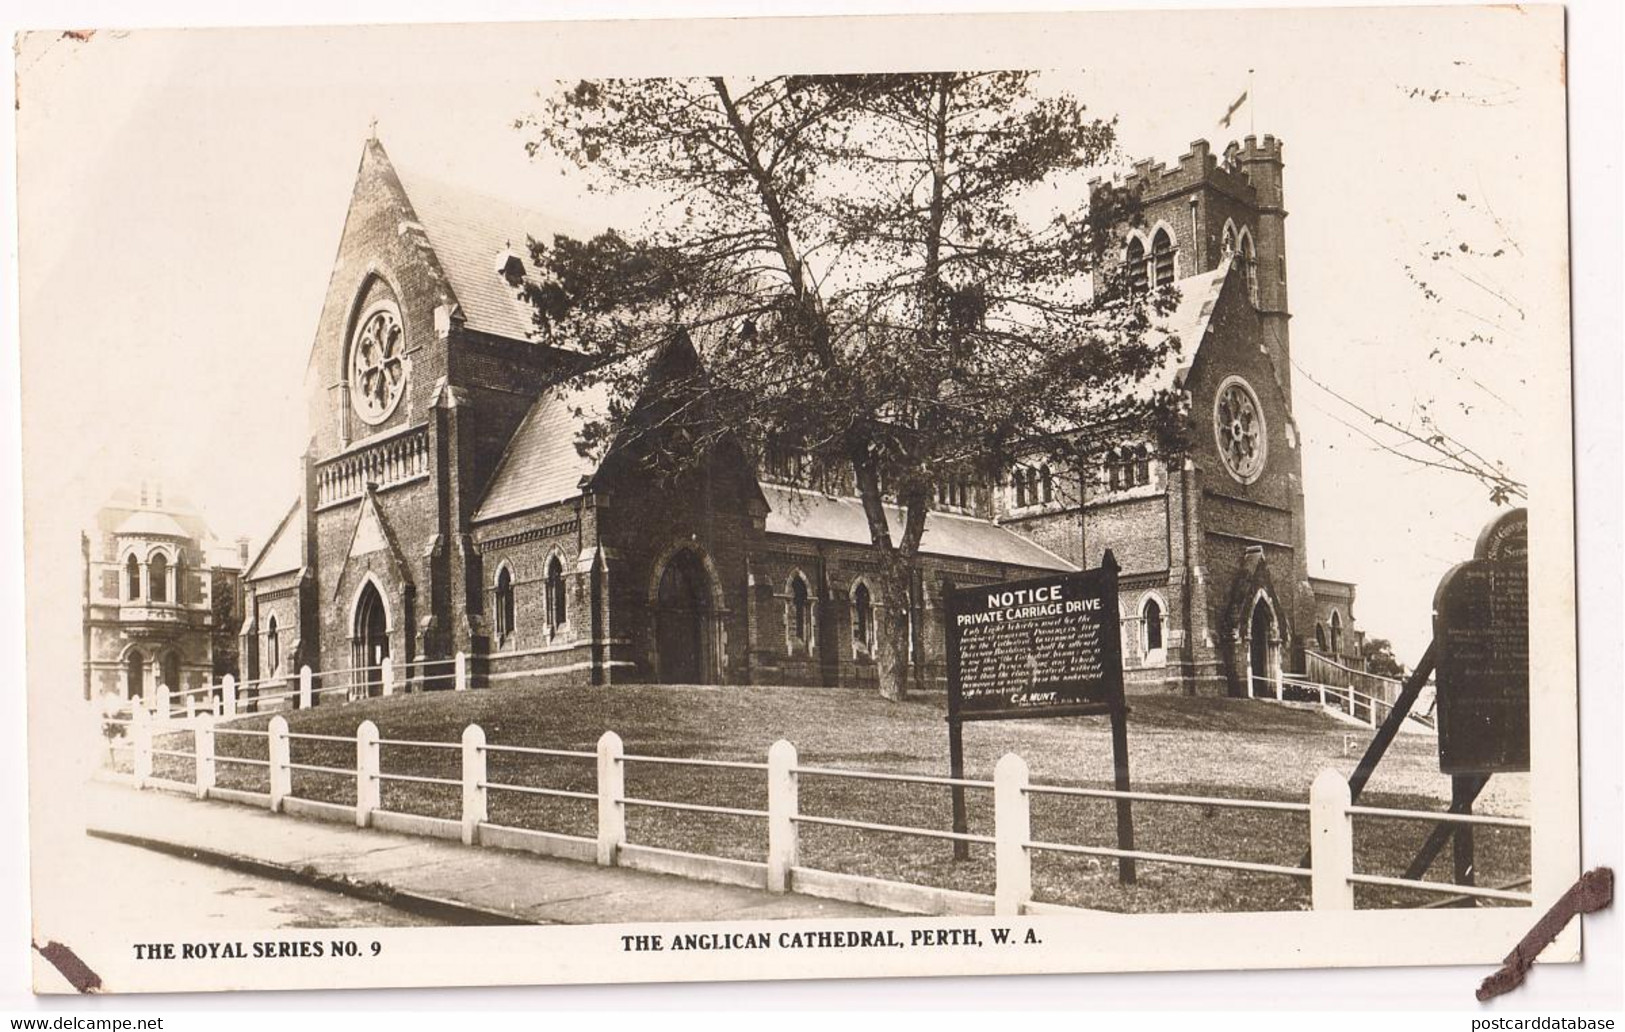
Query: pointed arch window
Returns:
{"type": "Point", "coordinates": [1320, 636]}
{"type": "Point", "coordinates": [800, 609]}
{"type": "Point", "coordinates": [132, 574]}
{"type": "Point", "coordinates": [273, 649]}
{"type": "Point", "coordinates": [1046, 485]}
{"type": "Point", "coordinates": [1162, 259]}
{"type": "Point", "coordinates": [863, 615]}
{"type": "Point", "coordinates": [1152, 622]}
{"type": "Point", "coordinates": [1337, 633]}
{"type": "Point", "coordinates": [1249, 265]}
{"type": "Point", "coordinates": [504, 608]}
{"type": "Point", "coordinates": [158, 574]}
{"type": "Point", "coordinates": [1138, 270]}
{"type": "Point", "coordinates": [557, 613]}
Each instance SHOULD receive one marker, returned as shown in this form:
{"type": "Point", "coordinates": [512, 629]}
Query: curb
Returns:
{"type": "Point", "coordinates": [433, 907]}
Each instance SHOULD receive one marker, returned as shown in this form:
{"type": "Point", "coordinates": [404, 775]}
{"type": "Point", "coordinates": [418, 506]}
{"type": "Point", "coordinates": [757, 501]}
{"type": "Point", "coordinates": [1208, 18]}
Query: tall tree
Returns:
{"type": "Point", "coordinates": [884, 275]}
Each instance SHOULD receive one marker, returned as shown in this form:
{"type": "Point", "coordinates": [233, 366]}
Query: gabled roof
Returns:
{"type": "Point", "coordinates": [812, 514]}
{"type": "Point", "coordinates": [1188, 324]}
{"type": "Point", "coordinates": [282, 552]}
{"type": "Point", "coordinates": [542, 463]}
{"type": "Point", "coordinates": [470, 233]}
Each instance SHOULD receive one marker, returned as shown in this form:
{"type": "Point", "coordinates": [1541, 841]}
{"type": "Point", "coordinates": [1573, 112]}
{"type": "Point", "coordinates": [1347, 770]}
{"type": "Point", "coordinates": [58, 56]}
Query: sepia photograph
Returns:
{"type": "Point", "coordinates": [589, 501]}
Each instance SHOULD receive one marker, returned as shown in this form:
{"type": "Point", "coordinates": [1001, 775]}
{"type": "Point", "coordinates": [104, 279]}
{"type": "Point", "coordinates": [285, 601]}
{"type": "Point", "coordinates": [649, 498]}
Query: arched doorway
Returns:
{"type": "Point", "coordinates": [370, 637]}
{"type": "Point", "coordinates": [1260, 654]}
{"type": "Point", "coordinates": [135, 675]}
{"type": "Point", "coordinates": [682, 619]}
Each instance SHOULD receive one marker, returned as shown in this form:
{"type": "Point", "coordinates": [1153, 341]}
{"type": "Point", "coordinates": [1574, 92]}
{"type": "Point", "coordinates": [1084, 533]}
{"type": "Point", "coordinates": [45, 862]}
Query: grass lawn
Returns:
{"type": "Point", "coordinates": [1226, 747]}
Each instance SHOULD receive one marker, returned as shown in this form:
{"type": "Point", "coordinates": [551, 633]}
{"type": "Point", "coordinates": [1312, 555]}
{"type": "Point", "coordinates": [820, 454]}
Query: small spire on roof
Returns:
{"type": "Point", "coordinates": [372, 129]}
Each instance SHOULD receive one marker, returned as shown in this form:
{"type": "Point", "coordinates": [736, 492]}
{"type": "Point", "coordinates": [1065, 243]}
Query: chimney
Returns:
{"type": "Point", "coordinates": [242, 552]}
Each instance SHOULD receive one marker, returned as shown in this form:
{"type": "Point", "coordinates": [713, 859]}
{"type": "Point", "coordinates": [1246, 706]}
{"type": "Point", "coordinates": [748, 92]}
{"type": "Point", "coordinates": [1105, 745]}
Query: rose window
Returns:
{"type": "Point", "coordinates": [1238, 427]}
{"type": "Point", "coordinates": [377, 365]}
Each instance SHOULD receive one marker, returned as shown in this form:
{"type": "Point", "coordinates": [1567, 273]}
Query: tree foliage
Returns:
{"type": "Point", "coordinates": [876, 270]}
{"type": "Point", "coordinates": [1379, 657]}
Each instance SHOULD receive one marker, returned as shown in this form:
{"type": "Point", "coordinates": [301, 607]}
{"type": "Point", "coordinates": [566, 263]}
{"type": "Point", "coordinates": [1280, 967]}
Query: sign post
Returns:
{"type": "Point", "coordinates": [1481, 636]}
{"type": "Point", "coordinates": [1042, 647]}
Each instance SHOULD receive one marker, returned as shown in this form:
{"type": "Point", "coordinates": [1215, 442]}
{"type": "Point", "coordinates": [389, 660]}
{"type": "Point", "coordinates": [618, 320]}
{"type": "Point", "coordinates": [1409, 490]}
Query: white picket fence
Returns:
{"type": "Point", "coordinates": [1331, 876]}
{"type": "Point", "coordinates": [232, 698]}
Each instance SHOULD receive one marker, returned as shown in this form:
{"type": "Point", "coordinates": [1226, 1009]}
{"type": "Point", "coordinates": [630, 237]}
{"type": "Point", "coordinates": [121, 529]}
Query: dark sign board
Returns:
{"type": "Point", "coordinates": [1047, 646]}
{"type": "Point", "coordinates": [1481, 632]}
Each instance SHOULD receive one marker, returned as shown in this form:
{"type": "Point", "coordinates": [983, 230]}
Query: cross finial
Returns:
{"type": "Point", "coordinates": [372, 128]}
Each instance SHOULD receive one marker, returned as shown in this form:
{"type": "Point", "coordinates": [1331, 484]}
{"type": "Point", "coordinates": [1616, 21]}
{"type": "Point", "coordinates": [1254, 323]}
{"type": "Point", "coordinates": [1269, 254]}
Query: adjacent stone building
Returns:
{"type": "Point", "coordinates": [162, 598]}
{"type": "Point", "coordinates": [447, 508]}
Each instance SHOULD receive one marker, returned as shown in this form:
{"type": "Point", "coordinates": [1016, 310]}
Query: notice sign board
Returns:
{"type": "Point", "coordinates": [1043, 647]}
{"type": "Point", "coordinates": [1047, 646]}
{"type": "Point", "coordinates": [1481, 631]}
{"type": "Point", "coordinates": [1040, 647]}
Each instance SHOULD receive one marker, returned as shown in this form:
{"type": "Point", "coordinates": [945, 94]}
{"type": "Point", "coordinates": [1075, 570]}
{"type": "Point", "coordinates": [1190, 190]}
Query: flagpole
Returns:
{"type": "Point", "coordinates": [1252, 105]}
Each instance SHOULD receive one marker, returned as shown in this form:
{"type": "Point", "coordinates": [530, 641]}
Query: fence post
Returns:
{"type": "Point", "coordinates": [367, 785]}
{"type": "Point", "coordinates": [277, 750]}
{"type": "Point", "coordinates": [461, 666]}
{"type": "Point", "coordinates": [475, 810]}
{"type": "Point", "coordinates": [386, 673]}
{"type": "Point", "coordinates": [141, 744]}
{"type": "Point", "coordinates": [191, 706]}
{"type": "Point", "coordinates": [304, 687]}
{"type": "Point", "coordinates": [228, 690]}
{"type": "Point", "coordinates": [166, 701]}
{"type": "Point", "coordinates": [1276, 679]}
{"type": "Point", "coordinates": [203, 753]}
{"type": "Point", "coordinates": [783, 840]}
{"type": "Point", "coordinates": [1331, 843]}
{"type": "Point", "coordinates": [611, 798]}
{"type": "Point", "coordinates": [1012, 829]}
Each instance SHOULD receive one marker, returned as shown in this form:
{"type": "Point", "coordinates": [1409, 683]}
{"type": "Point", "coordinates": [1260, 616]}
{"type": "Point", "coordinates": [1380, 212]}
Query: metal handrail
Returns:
{"type": "Point", "coordinates": [562, 793]}
{"type": "Point", "coordinates": [683, 761]}
{"type": "Point", "coordinates": [531, 750]}
{"type": "Point", "coordinates": [342, 771]}
{"type": "Point", "coordinates": [1432, 817]}
{"type": "Point", "coordinates": [420, 745]}
{"type": "Point", "coordinates": [873, 775]}
{"type": "Point", "coordinates": [1156, 797]}
{"type": "Point", "coordinates": [663, 804]}
{"type": "Point", "coordinates": [896, 829]}
{"type": "Point", "coordinates": [1448, 888]}
{"type": "Point", "coordinates": [1172, 858]}
{"type": "Point", "coordinates": [422, 779]}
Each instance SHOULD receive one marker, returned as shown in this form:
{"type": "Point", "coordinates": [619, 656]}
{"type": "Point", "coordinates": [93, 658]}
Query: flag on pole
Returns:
{"type": "Point", "coordinates": [1239, 103]}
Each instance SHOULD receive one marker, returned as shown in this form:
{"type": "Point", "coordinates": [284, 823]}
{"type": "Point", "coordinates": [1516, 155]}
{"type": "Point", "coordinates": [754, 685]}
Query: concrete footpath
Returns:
{"type": "Point", "coordinates": [448, 881]}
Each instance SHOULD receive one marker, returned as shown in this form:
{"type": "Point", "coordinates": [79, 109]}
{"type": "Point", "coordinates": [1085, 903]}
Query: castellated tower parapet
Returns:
{"type": "Point", "coordinates": [1211, 206]}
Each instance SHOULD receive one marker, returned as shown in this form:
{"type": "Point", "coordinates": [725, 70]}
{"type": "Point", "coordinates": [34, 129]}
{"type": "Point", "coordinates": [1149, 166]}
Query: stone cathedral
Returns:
{"type": "Point", "coordinates": [446, 508]}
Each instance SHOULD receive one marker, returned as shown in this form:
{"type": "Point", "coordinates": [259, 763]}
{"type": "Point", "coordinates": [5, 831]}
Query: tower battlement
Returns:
{"type": "Point", "coordinates": [1248, 171]}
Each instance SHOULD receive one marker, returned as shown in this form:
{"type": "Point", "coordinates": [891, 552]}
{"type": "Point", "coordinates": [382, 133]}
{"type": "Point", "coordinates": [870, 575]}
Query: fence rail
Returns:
{"type": "Point", "coordinates": [1330, 812]}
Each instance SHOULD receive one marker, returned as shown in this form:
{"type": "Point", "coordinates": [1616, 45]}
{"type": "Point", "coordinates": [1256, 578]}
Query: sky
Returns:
{"type": "Point", "coordinates": [182, 195]}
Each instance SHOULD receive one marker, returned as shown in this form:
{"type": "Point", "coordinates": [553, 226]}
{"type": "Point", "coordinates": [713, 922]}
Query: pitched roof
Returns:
{"type": "Point", "coordinates": [811, 514]}
{"type": "Point", "coordinates": [542, 463]}
{"type": "Point", "coordinates": [469, 232]}
{"type": "Point", "coordinates": [282, 552]}
{"type": "Point", "coordinates": [1188, 324]}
